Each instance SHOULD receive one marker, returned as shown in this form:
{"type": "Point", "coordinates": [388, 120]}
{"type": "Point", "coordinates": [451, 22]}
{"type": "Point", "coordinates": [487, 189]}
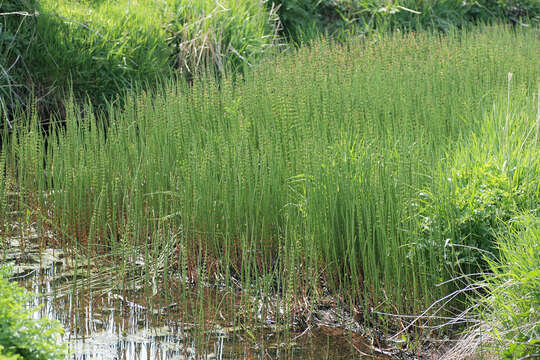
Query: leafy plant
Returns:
{"type": "Point", "coordinates": [491, 181]}
{"type": "Point", "coordinates": [21, 336]}
{"type": "Point", "coordinates": [471, 215]}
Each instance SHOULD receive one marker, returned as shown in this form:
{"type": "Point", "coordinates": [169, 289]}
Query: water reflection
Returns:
{"type": "Point", "coordinates": [129, 324]}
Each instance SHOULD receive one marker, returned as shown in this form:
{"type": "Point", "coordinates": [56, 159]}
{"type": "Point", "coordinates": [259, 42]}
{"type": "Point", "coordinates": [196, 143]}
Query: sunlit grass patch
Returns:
{"type": "Point", "coordinates": [514, 293]}
{"type": "Point", "coordinates": [99, 49]}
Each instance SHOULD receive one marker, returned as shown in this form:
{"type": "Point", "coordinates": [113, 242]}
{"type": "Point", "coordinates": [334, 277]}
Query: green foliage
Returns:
{"type": "Point", "coordinates": [514, 292]}
{"type": "Point", "coordinates": [99, 49]}
{"type": "Point", "coordinates": [21, 336]}
{"type": "Point", "coordinates": [515, 11]}
{"type": "Point", "coordinates": [306, 172]}
{"type": "Point", "coordinates": [471, 212]}
{"type": "Point", "coordinates": [483, 200]}
{"type": "Point", "coordinates": [92, 49]}
{"type": "Point", "coordinates": [336, 16]}
{"type": "Point", "coordinates": [491, 179]}
{"type": "Point", "coordinates": [5, 356]}
{"type": "Point", "coordinates": [218, 36]}
{"type": "Point", "coordinates": [447, 14]}
{"type": "Point", "coordinates": [17, 32]}
{"type": "Point", "coordinates": [300, 19]}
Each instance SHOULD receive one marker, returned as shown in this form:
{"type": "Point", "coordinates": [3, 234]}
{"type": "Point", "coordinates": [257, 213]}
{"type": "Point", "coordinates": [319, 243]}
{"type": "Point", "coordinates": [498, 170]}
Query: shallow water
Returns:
{"type": "Point", "coordinates": [109, 321]}
{"type": "Point", "coordinates": [115, 324]}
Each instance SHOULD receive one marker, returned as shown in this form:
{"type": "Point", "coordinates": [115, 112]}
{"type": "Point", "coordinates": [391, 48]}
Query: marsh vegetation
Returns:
{"type": "Point", "coordinates": [382, 190]}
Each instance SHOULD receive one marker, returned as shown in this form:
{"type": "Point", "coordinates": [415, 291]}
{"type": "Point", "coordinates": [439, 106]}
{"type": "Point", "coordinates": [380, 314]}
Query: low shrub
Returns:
{"type": "Point", "coordinates": [22, 336]}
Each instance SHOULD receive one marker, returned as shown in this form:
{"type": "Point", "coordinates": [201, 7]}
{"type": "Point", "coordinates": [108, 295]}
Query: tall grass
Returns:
{"type": "Point", "coordinates": [220, 36]}
{"type": "Point", "coordinates": [100, 48]}
{"type": "Point", "coordinates": [512, 307]}
{"type": "Point", "coordinates": [506, 314]}
{"type": "Point", "coordinates": [96, 49]}
{"type": "Point", "coordinates": [302, 179]}
{"type": "Point", "coordinates": [17, 21]}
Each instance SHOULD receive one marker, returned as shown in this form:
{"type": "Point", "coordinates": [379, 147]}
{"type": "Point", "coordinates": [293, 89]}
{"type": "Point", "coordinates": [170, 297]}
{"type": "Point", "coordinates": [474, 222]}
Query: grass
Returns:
{"type": "Point", "coordinates": [506, 313]}
{"type": "Point", "coordinates": [90, 49]}
{"type": "Point", "coordinates": [305, 178]}
{"type": "Point", "coordinates": [17, 20]}
{"type": "Point", "coordinates": [95, 50]}
{"type": "Point", "coordinates": [220, 36]}
{"type": "Point", "coordinates": [514, 294]}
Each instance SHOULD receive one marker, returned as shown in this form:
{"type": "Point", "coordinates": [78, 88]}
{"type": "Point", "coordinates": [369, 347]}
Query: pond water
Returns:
{"type": "Point", "coordinates": [106, 321]}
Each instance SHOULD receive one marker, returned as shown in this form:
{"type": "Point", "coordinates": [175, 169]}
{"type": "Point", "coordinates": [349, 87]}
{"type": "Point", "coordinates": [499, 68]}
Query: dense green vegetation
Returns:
{"type": "Point", "coordinates": [490, 181]}
{"type": "Point", "coordinates": [21, 336]}
{"type": "Point", "coordinates": [389, 164]}
{"type": "Point", "coordinates": [305, 19]}
{"type": "Point", "coordinates": [96, 49]}
{"type": "Point", "coordinates": [93, 48]}
{"type": "Point", "coordinates": [372, 169]}
{"type": "Point", "coordinates": [514, 293]}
